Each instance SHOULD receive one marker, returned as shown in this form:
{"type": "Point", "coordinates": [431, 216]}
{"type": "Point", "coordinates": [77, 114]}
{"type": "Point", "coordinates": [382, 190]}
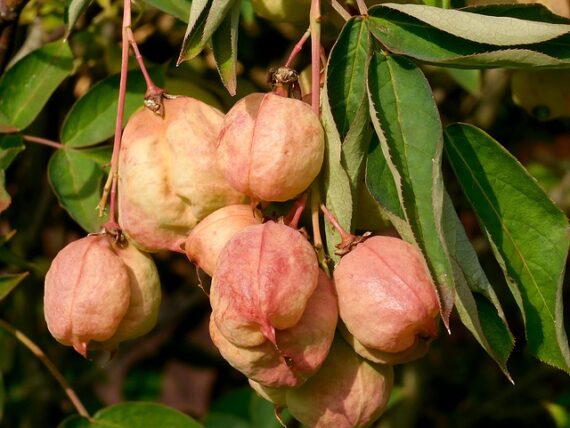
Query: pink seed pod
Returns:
{"type": "Point", "coordinates": [299, 351]}
{"type": "Point", "coordinates": [271, 148]}
{"type": "Point", "coordinates": [262, 282]}
{"type": "Point", "coordinates": [387, 300]}
{"type": "Point", "coordinates": [96, 291]}
{"type": "Point", "coordinates": [347, 392]}
{"type": "Point", "coordinates": [169, 178]}
{"type": "Point", "coordinates": [208, 238]}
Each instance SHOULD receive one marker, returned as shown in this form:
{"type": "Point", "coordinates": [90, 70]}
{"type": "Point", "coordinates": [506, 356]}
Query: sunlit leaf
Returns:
{"type": "Point", "coordinates": [527, 232]}
{"type": "Point", "coordinates": [224, 47]}
{"type": "Point", "coordinates": [73, 10]}
{"type": "Point", "coordinates": [177, 8]}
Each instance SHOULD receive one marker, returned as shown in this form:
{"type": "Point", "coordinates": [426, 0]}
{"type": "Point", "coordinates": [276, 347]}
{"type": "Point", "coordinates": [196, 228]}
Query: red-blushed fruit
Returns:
{"type": "Point", "coordinates": [208, 238]}
{"type": "Point", "coordinates": [347, 391]}
{"type": "Point", "coordinates": [262, 282]}
{"type": "Point", "coordinates": [271, 148]}
{"type": "Point", "coordinates": [96, 291]}
{"type": "Point", "coordinates": [168, 174]}
{"type": "Point", "coordinates": [387, 300]}
{"type": "Point", "coordinates": [300, 350]}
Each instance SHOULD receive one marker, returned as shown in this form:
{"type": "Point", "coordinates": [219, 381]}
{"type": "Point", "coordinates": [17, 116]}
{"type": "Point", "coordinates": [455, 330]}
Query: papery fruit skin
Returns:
{"type": "Point", "coordinates": [387, 299]}
{"type": "Point", "coordinates": [98, 292]}
{"type": "Point", "coordinates": [263, 280]}
{"type": "Point", "coordinates": [209, 237]}
{"type": "Point", "coordinates": [168, 174]}
{"type": "Point", "coordinates": [347, 392]}
{"type": "Point", "coordinates": [271, 148]}
{"type": "Point", "coordinates": [300, 350]}
{"type": "Point", "coordinates": [277, 396]}
{"type": "Point", "coordinates": [282, 10]}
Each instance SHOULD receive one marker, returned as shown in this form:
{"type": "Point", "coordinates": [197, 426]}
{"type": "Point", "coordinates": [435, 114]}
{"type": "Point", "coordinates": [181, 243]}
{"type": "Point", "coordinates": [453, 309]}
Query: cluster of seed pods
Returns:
{"type": "Point", "coordinates": [190, 182]}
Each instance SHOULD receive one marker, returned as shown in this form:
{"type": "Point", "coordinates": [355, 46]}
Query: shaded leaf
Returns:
{"type": "Point", "coordinates": [177, 8]}
{"type": "Point", "coordinates": [486, 29]}
{"type": "Point", "coordinates": [205, 17]}
{"type": "Point", "coordinates": [470, 80]}
{"type": "Point", "coordinates": [73, 10]}
{"type": "Point", "coordinates": [2, 396]}
{"type": "Point", "coordinates": [134, 415]}
{"type": "Point", "coordinates": [77, 179]}
{"type": "Point", "coordinates": [224, 47]}
{"type": "Point", "coordinates": [532, 12]}
{"type": "Point", "coordinates": [527, 232]}
{"type": "Point", "coordinates": [27, 85]}
{"type": "Point", "coordinates": [263, 413]}
{"type": "Point", "coordinates": [477, 303]}
{"type": "Point", "coordinates": [10, 146]}
{"type": "Point", "coordinates": [407, 123]}
{"type": "Point", "coordinates": [91, 119]}
{"type": "Point", "coordinates": [5, 198]}
{"type": "Point", "coordinates": [337, 197]}
{"type": "Point", "coordinates": [403, 34]}
{"type": "Point", "coordinates": [346, 73]}
{"type": "Point", "coordinates": [10, 281]}
{"type": "Point", "coordinates": [223, 420]}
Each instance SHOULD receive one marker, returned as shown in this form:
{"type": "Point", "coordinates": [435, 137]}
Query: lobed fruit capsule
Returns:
{"type": "Point", "coordinates": [97, 291]}
{"type": "Point", "coordinates": [271, 148]}
{"type": "Point", "coordinates": [387, 300]}
{"type": "Point", "coordinates": [168, 174]}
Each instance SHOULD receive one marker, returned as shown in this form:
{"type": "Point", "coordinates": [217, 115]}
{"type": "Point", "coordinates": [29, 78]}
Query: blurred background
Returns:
{"type": "Point", "coordinates": [455, 385]}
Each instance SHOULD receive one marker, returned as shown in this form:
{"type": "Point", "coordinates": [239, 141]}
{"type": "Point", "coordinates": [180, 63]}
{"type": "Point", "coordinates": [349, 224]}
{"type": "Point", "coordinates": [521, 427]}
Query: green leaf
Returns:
{"type": "Point", "coordinates": [27, 85]}
{"type": "Point", "coordinates": [401, 33]}
{"type": "Point", "coordinates": [337, 197]}
{"type": "Point", "coordinates": [477, 303]}
{"type": "Point", "coordinates": [223, 420]}
{"type": "Point", "coordinates": [10, 146]}
{"type": "Point", "coordinates": [530, 12]}
{"type": "Point", "coordinates": [134, 415]}
{"type": "Point", "coordinates": [91, 119]}
{"type": "Point", "coordinates": [407, 123]}
{"type": "Point", "coordinates": [492, 30]}
{"type": "Point", "coordinates": [73, 10]}
{"type": "Point", "coordinates": [263, 413]}
{"type": "Point", "coordinates": [10, 281]}
{"type": "Point", "coordinates": [177, 8]}
{"type": "Point", "coordinates": [224, 47]}
{"type": "Point", "coordinates": [527, 232]}
{"type": "Point", "coordinates": [205, 17]}
{"type": "Point", "coordinates": [346, 73]}
{"type": "Point", "coordinates": [5, 198]}
{"type": "Point", "coordinates": [77, 178]}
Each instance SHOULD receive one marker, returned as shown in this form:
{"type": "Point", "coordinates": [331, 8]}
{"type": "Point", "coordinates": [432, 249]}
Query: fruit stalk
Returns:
{"type": "Point", "coordinates": [298, 47]}
{"type": "Point", "coordinates": [36, 350]}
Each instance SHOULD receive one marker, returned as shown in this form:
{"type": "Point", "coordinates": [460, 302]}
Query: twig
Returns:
{"type": "Point", "coordinates": [315, 219]}
{"type": "Point", "coordinates": [110, 190]}
{"type": "Point", "coordinates": [44, 141]}
{"type": "Point", "coordinates": [315, 27]}
{"type": "Point", "coordinates": [298, 47]}
{"type": "Point", "coordinates": [362, 8]}
{"type": "Point", "coordinates": [340, 10]}
{"type": "Point", "coordinates": [35, 349]}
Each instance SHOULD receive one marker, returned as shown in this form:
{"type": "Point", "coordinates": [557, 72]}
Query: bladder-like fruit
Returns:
{"type": "Point", "coordinates": [387, 300]}
{"type": "Point", "coordinates": [98, 294]}
{"type": "Point", "coordinates": [168, 173]}
{"type": "Point", "coordinates": [271, 148]}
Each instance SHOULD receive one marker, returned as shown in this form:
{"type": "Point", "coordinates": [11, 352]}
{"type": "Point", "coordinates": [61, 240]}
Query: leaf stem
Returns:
{"type": "Point", "coordinates": [315, 29]}
{"type": "Point", "coordinates": [298, 47]}
{"type": "Point", "coordinates": [110, 190]}
{"type": "Point", "coordinates": [35, 349]}
{"type": "Point", "coordinates": [332, 219]}
{"type": "Point", "coordinates": [340, 10]}
{"type": "Point", "coordinates": [362, 8]}
{"type": "Point", "coordinates": [44, 141]}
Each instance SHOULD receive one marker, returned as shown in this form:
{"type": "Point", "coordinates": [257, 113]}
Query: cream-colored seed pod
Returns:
{"type": "Point", "coordinates": [169, 179]}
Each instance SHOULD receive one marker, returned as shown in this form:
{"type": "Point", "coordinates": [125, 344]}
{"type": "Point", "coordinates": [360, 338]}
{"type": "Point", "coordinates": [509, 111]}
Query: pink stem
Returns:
{"type": "Point", "coordinates": [112, 223]}
{"type": "Point", "coordinates": [343, 233]}
{"type": "Point", "coordinates": [362, 8]}
{"type": "Point", "coordinates": [152, 89]}
{"type": "Point", "coordinates": [315, 27]}
{"type": "Point", "coordinates": [340, 10]}
{"type": "Point", "coordinates": [43, 141]}
{"type": "Point", "coordinates": [297, 211]}
{"type": "Point", "coordinates": [298, 47]}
